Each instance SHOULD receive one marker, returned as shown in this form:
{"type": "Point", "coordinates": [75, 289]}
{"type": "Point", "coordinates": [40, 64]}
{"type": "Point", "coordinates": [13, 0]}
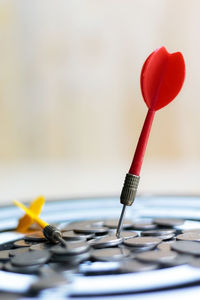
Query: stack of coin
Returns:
{"type": "Point", "coordinates": [142, 246]}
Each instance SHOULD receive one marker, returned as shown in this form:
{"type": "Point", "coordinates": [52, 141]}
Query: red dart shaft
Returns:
{"type": "Point", "coordinates": [132, 178]}
{"type": "Point", "coordinates": [142, 144]}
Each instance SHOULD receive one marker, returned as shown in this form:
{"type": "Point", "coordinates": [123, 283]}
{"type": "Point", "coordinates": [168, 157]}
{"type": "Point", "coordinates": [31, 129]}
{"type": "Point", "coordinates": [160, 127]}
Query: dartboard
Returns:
{"type": "Point", "coordinates": [157, 254]}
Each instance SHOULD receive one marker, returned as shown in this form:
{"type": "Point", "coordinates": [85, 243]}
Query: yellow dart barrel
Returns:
{"type": "Point", "coordinates": [39, 221]}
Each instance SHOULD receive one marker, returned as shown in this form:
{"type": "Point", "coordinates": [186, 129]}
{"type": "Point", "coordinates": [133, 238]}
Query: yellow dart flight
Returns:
{"type": "Point", "coordinates": [32, 213]}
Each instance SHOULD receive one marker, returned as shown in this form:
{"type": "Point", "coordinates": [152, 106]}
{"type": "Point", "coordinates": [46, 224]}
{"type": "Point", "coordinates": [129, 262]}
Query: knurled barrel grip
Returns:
{"type": "Point", "coordinates": [129, 189]}
{"type": "Point", "coordinates": [52, 233]}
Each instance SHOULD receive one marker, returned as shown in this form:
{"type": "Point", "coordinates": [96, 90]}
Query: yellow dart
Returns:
{"type": "Point", "coordinates": [38, 220]}
{"type": "Point", "coordinates": [26, 221]}
{"type": "Point", "coordinates": [52, 233]}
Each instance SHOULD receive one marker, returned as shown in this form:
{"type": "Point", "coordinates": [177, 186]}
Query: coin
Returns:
{"type": "Point", "coordinates": [113, 223]}
{"type": "Point", "coordinates": [17, 251]}
{"type": "Point", "coordinates": [125, 234]}
{"type": "Point", "coordinates": [42, 246]}
{"type": "Point", "coordinates": [72, 236]}
{"type": "Point", "coordinates": [189, 237]}
{"type": "Point", "coordinates": [142, 241]}
{"type": "Point", "coordinates": [135, 250]}
{"type": "Point", "coordinates": [33, 269]}
{"type": "Point", "coordinates": [37, 236]}
{"type": "Point", "coordinates": [130, 266]}
{"type": "Point", "coordinates": [71, 259]}
{"type": "Point", "coordinates": [168, 222]}
{"type": "Point", "coordinates": [108, 241]}
{"type": "Point", "coordinates": [143, 225]}
{"type": "Point", "coordinates": [31, 258]}
{"type": "Point", "coordinates": [158, 256]}
{"type": "Point", "coordinates": [90, 229]}
{"type": "Point", "coordinates": [165, 245]}
{"type": "Point", "coordinates": [158, 232]}
{"type": "Point", "coordinates": [109, 254]}
{"type": "Point", "coordinates": [161, 234]}
{"type": "Point", "coordinates": [72, 248]}
{"type": "Point", "coordinates": [165, 237]}
{"type": "Point", "coordinates": [187, 247]}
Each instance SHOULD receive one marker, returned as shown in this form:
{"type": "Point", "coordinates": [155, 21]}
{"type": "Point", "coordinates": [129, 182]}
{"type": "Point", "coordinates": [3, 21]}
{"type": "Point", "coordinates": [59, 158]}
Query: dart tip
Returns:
{"type": "Point", "coordinates": [120, 223]}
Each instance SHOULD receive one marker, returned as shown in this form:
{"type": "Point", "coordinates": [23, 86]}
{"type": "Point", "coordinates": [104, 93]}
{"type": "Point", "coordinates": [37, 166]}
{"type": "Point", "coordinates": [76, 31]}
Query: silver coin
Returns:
{"type": "Point", "coordinates": [187, 247]}
{"type": "Point", "coordinates": [156, 256]}
{"type": "Point", "coordinates": [113, 223]}
{"type": "Point", "coordinates": [158, 232]}
{"type": "Point", "coordinates": [33, 269]}
{"type": "Point", "coordinates": [71, 259]}
{"type": "Point", "coordinates": [163, 237]}
{"type": "Point", "coordinates": [37, 236]}
{"type": "Point", "coordinates": [132, 266]}
{"type": "Point", "coordinates": [88, 236]}
{"type": "Point", "coordinates": [17, 251]}
{"type": "Point", "coordinates": [189, 237]}
{"type": "Point", "coordinates": [41, 246]}
{"type": "Point", "coordinates": [109, 254]}
{"type": "Point", "coordinates": [70, 249]}
{"type": "Point", "coordinates": [142, 241]}
{"type": "Point", "coordinates": [135, 250]}
{"type": "Point", "coordinates": [72, 236]}
{"type": "Point", "coordinates": [125, 234]}
{"type": "Point", "coordinates": [143, 225]}
{"type": "Point", "coordinates": [90, 229]}
{"type": "Point", "coordinates": [168, 222]}
{"type": "Point", "coordinates": [166, 237]}
{"type": "Point", "coordinates": [108, 241]}
{"type": "Point", "coordinates": [31, 258]}
{"type": "Point", "coordinates": [165, 245]}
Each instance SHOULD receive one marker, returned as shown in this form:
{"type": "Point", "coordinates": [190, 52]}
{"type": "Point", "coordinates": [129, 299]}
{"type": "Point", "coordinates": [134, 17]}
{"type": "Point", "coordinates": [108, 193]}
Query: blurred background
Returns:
{"type": "Point", "coordinates": [71, 109]}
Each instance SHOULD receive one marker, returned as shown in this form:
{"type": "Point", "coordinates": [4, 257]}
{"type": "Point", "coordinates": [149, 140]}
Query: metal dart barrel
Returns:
{"type": "Point", "coordinates": [127, 197]}
{"type": "Point", "coordinates": [53, 234]}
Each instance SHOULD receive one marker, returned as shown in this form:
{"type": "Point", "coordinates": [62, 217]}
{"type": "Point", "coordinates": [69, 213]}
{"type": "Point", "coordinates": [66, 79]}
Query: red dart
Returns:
{"type": "Point", "coordinates": [162, 77]}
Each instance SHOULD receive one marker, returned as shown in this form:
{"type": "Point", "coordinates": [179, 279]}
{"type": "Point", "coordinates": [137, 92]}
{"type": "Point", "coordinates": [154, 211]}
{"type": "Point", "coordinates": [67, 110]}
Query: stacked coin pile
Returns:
{"type": "Point", "coordinates": [92, 248]}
